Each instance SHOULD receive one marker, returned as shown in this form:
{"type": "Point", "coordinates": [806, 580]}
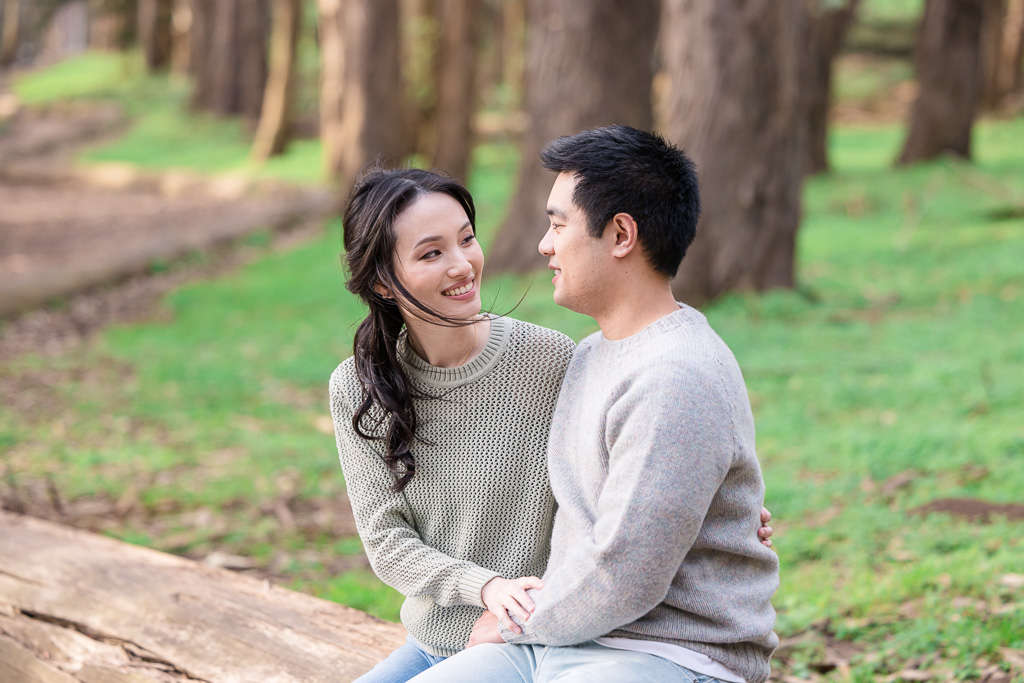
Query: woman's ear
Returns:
{"type": "Point", "coordinates": [382, 291]}
{"type": "Point", "coordinates": [624, 229]}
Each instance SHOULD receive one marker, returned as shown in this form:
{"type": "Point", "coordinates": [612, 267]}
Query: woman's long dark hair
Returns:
{"type": "Point", "coordinates": [377, 199]}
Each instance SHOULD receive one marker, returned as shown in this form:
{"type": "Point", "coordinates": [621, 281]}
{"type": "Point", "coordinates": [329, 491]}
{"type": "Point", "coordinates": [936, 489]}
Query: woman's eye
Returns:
{"type": "Point", "coordinates": [468, 238]}
{"type": "Point", "coordinates": [431, 254]}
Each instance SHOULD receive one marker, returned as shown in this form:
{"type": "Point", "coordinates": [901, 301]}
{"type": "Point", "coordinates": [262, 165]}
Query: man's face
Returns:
{"type": "Point", "coordinates": [577, 258]}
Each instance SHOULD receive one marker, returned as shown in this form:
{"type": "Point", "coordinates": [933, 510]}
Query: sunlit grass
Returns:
{"type": "Point", "coordinates": [164, 132]}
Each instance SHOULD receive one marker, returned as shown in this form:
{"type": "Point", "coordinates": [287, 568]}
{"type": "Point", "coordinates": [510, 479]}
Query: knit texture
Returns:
{"type": "Point", "coordinates": [480, 504]}
{"type": "Point", "coordinates": [659, 491]}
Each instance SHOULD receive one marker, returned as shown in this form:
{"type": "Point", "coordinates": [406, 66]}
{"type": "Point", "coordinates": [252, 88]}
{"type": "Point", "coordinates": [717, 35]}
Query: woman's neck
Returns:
{"type": "Point", "coordinates": [448, 347]}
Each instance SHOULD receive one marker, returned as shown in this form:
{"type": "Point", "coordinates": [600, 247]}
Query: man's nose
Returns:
{"type": "Point", "coordinates": [546, 246]}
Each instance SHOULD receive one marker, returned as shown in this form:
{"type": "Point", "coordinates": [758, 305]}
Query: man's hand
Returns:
{"type": "Point", "coordinates": [485, 630]}
{"type": "Point", "coordinates": [502, 596]}
{"type": "Point", "coordinates": [765, 532]}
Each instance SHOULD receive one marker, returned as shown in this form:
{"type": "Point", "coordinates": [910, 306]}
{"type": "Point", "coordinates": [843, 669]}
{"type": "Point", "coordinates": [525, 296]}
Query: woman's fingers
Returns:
{"type": "Point", "coordinates": [766, 516]}
{"type": "Point", "coordinates": [530, 582]}
{"type": "Point", "coordinates": [521, 604]}
{"type": "Point", "coordinates": [765, 532]}
{"type": "Point", "coordinates": [507, 622]}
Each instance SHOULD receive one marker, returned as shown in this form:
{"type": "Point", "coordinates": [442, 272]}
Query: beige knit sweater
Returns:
{"type": "Point", "coordinates": [480, 503]}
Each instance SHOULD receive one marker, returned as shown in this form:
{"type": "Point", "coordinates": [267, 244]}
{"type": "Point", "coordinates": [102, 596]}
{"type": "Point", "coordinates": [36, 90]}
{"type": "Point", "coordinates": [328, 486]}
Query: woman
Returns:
{"type": "Point", "coordinates": [441, 426]}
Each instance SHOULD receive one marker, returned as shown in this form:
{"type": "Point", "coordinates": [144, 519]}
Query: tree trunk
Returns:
{"type": "Point", "coordinates": [949, 76]}
{"type": "Point", "coordinates": [454, 79]}
{"type": "Point", "coordinates": [1011, 61]}
{"type": "Point", "coordinates": [153, 29]}
{"type": "Point", "coordinates": [112, 24]}
{"type": "Point", "coordinates": [275, 119]}
{"type": "Point", "coordinates": [589, 63]}
{"type": "Point", "coordinates": [993, 19]}
{"type": "Point", "coordinates": [231, 68]}
{"type": "Point", "coordinates": [827, 28]}
{"type": "Point", "coordinates": [361, 100]}
{"type": "Point", "coordinates": [736, 108]}
{"type": "Point", "coordinates": [11, 34]}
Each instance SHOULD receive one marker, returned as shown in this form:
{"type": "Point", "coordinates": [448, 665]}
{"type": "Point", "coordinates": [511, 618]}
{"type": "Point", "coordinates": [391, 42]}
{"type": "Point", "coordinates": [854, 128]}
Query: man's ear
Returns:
{"type": "Point", "coordinates": [623, 229]}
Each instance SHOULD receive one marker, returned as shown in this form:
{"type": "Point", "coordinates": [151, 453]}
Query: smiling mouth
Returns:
{"type": "Point", "coordinates": [458, 291]}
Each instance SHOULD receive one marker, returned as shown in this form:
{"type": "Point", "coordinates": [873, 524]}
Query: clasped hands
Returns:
{"type": "Point", "coordinates": [502, 596]}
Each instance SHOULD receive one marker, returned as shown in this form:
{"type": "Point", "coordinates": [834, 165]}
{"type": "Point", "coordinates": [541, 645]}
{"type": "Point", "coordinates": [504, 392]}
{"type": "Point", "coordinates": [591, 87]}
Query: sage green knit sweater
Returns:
{"type": "Point", "coordinates": [480, 504]}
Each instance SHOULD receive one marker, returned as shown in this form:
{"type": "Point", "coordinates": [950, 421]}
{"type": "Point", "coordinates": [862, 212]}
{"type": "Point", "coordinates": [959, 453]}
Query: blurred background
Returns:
{"type": "Point", "coordinates": [172, 301]}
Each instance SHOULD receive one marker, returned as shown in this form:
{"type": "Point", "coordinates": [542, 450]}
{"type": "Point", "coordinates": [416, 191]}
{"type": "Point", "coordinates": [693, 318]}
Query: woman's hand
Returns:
{"type": "Point", "coordinates": [765, 532]}
{"type": "Point", "coordinates": [502, 596]}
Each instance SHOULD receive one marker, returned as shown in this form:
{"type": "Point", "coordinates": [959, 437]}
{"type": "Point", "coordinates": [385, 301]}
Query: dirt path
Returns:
{"type": "Point", "coordinates": [90, 237]}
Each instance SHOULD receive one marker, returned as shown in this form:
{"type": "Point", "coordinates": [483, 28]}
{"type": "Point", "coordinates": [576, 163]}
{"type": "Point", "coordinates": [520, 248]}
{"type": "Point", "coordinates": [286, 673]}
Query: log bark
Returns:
{"type": "Point", "coordinates": [274, 127]}
{"type": "Point", "coordinates": [361, 97]}
{"type": "Point", "coordinates": [827, 28]}
{"type": "Point", "coordinates": [589, 63]}
{"type": "Point", "coordinates": [76, 607]}
{"type": "Point", "coordinates": [949, 76]}
{"type": "Point", "coordinates": [734, 98]}
{"type": "Point", "coordinates": [455, 78]}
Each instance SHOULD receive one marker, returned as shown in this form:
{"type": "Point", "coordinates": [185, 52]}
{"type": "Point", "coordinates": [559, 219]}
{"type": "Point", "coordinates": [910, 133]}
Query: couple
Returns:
{"type": "Point", "coordinates": [460, 434]}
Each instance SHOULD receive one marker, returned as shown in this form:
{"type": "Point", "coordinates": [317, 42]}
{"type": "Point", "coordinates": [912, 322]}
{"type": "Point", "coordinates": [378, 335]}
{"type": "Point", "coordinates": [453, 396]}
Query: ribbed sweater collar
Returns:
{"type": "Point", "coordinates": [683, 317]}
{"type": "Point", "coordinates": [451, 377]}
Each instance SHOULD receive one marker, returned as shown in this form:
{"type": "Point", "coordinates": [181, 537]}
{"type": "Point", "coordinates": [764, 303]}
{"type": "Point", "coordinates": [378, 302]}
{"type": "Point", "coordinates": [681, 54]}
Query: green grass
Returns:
{"type": "Point", "coordinates": [164, 133]}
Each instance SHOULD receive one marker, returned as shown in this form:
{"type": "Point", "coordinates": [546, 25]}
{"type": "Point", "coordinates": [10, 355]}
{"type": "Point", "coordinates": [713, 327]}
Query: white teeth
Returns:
{"type": "Point", "coordinates": [459, 290]}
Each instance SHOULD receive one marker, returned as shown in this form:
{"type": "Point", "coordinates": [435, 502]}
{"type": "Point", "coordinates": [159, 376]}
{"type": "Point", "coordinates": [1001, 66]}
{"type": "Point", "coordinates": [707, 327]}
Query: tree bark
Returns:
{"type": "Point", "coordinates": [1011, 60]}
{"type": "Point", "coordinates": [361, 100]}
{"type": "Point", "coordinates": [153, 29]}
{"type": "Point", "coordinates": [993, 19]}
{"type": "Point", "coordinates": [454, 79]}
{"type": "Point", "coordinates": [949, 76]}
{"type": "Point", "coordinates": [274, 128]}
{"type": "Point", "coordinates": [231, 60]}
{"type": "Point", "coordinates": [734, 97]}
{"type": "Point", "coordinates": [827, 28]}
{"type": "Point", "coordinates": [112, 24]}
{"type": "Point", "coordinates": [11, 34]}
{"type": "Point", "coordinates": [589, 63]}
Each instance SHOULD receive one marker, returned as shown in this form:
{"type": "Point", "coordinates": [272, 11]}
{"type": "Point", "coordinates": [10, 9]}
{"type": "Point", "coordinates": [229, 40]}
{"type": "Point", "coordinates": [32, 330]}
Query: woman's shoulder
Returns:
{"type": "Point", "coordinates": [345, 383]}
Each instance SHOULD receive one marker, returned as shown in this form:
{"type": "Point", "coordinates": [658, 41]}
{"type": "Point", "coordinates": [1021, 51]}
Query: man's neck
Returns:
{"type": "Point", "coordinates": [634, 307]}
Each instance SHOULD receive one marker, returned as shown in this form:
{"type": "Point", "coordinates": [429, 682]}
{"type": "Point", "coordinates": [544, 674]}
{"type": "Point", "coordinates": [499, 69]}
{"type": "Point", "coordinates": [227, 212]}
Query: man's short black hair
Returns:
{"type": "Point", "coordinates": [619, 169]}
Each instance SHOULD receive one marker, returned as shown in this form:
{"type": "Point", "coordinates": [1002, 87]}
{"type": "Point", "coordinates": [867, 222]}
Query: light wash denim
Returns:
{"type": "Point", "coordinates": [401, 665]}
{"type": "Point", "coordinates": [584, 663]}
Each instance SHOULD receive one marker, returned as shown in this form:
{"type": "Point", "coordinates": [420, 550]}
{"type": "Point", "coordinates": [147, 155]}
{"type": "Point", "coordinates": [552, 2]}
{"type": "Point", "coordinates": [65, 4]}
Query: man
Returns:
{"type": "Point", "coordinates": [656, 572]}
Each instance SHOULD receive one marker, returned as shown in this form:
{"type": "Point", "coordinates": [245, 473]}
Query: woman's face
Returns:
{"type": "Point", "coordinates": [437, 257]}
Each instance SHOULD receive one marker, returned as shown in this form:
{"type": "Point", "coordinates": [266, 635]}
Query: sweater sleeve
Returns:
{"type": "Point", "coordinates": [386, 524]}
{"type": "Point", "coordinates": [669, 441]}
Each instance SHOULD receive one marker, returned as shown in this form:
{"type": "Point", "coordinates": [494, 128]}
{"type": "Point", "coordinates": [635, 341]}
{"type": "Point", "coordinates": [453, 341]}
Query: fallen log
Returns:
{"type": "Point", "coordinates": [76, 607]}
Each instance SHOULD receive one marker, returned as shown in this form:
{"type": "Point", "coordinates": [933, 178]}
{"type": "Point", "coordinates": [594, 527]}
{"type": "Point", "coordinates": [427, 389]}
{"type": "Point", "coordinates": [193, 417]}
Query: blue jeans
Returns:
{"type": "Point", "coordinates": [584, 663]}
{"type": "Point", "coordinates": [401, 665]}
